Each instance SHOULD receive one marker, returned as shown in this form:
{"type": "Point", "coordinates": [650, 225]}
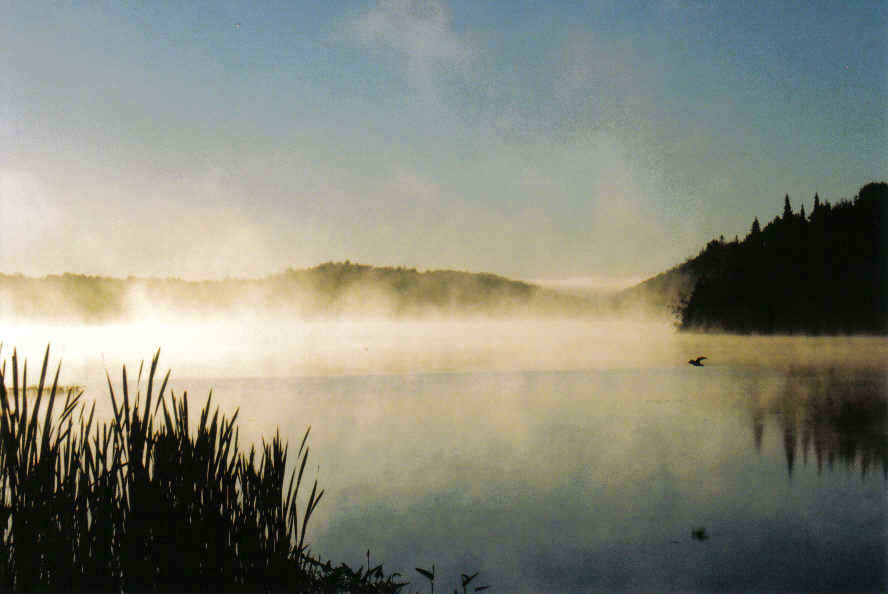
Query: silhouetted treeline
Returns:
{"type": "Point", "coordinates": [327, 289]}
{"type": "Point", "coordinates": [818, 273]}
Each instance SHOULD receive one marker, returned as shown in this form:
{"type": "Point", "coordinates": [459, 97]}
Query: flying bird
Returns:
{"type": "Point", "coordinates": [696, 362]}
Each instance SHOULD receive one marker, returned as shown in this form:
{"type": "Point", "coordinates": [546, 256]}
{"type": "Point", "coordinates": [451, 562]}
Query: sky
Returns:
{"type": "Point", "coordinates": [539, 140]}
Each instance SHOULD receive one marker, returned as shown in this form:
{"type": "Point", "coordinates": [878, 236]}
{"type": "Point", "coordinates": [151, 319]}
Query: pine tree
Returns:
{"type": "Point", "coordinates": [787, 209]}
{"type": "Point", "coordinates": [755, 234]}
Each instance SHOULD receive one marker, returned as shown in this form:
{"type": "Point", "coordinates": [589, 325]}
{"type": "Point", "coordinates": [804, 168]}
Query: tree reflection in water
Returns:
{"type": "Point", "coordinates": [834, 414]}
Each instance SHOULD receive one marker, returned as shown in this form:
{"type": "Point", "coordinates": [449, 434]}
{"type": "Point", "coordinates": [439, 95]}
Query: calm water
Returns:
{"type": "Point", "coordinates": [594, 481]}
{"type": "Point", "coordinates": [488, 457]}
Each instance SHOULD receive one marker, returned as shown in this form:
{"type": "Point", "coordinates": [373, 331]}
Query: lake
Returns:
{"type": "Point", "coordinates": [553, 455]}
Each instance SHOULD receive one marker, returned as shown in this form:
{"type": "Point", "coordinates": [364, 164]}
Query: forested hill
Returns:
{"type": "Point", "coordinates": [327, 289]}
{"type": "Point", "coordinates": [819, 273]}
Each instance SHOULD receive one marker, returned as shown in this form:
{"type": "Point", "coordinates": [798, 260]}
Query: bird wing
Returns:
{"type": "Point", "coordinates": [700, 359]}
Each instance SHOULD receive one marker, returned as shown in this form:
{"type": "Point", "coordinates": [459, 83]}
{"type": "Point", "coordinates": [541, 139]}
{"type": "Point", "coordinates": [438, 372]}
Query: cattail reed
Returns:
{"type": "Point", "coordinates": [150, 500]}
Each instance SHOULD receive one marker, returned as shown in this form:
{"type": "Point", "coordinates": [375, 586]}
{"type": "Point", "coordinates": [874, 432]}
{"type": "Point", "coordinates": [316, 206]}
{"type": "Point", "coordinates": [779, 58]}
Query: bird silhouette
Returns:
{"type": "Point", "coordinates": [696, 362]}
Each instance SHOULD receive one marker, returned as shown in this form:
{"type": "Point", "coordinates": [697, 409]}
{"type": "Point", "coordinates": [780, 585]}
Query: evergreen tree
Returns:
{"type": "Point", "coordinates": [756, 228]}
{"type": "Point", "coordinates": [826, 275]}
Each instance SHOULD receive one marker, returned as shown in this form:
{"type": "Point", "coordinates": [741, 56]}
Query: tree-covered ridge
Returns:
{"type": "Point", "coordinates": [823, 272]}
{"type": "Point", "coordinates": [328, 289]}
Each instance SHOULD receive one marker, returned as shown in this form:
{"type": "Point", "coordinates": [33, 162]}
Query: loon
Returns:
{"type": "Point", "coordinates": [696, 362]}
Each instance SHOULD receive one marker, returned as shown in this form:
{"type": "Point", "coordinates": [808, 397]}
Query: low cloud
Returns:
{"type": "Point", "coordinates": [419, 31]}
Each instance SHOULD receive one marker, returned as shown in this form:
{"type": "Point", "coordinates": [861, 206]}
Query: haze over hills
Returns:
{"type": "Point", "coordinates": [820, 273]}
{"type": "Point", "coordinates": [333, 288]}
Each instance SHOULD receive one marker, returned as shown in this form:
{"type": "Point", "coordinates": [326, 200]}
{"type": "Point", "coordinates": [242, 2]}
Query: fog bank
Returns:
{"type": "Point", "coordinates": [275, 346]}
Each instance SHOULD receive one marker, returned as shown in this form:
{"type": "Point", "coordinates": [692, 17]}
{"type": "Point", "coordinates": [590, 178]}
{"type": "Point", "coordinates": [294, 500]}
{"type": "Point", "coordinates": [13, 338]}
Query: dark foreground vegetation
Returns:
{"type": "Point", "coordinates": [152, 501]}
{"type": "Point", "coordinates": [333, 288]}
{"type": "Point", "coordinates": [820, 273]}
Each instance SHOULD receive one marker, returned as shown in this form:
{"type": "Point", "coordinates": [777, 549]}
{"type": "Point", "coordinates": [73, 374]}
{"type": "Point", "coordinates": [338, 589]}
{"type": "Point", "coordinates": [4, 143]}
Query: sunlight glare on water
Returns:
{"type": "Point", "coordinates": [551, 455]}
{"type": "Point", "coordinates": [273, 347]}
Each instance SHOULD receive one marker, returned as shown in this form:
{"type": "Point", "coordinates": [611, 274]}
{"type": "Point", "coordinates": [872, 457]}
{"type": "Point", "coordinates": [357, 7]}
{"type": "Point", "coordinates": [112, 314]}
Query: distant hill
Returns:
{"type": "Point", "coordinates": [328, 289]}
{"type": "Point", "coordinates": [823, 273]}
{"type": "Point", "coordinates": [658, 295]}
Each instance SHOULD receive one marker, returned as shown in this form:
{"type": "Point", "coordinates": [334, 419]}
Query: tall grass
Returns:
{"type": "Point", "coordinates": [151, 500]}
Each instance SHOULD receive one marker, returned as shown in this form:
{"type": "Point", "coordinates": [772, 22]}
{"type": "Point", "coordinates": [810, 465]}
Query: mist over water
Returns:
{"type": "Point", "coordinates": [551, 454]}
{"type": "Point", "coordinates": [256, 345]}
{"type": "Point", "coordinates": [198, 178]}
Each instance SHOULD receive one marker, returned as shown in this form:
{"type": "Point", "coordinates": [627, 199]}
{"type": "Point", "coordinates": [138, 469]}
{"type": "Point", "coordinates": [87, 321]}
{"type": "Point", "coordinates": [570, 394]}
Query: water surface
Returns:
{"type": "Point", "coordinates": [564, 456]}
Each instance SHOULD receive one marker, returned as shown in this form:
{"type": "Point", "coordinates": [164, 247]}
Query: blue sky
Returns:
{"type": "Point", "coordinates": [530, 139]}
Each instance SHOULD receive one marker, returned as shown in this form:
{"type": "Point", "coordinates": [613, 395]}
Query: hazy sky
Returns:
{"type": "Point", "coordinates": [530, 139]}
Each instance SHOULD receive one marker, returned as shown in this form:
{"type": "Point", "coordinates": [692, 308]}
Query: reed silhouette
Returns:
{"type": "Point", "coordinates": [152, 500]}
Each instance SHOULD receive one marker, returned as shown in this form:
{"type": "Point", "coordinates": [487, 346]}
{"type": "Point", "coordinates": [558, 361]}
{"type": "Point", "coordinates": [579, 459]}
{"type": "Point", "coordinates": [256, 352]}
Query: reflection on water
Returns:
{"type": "Point", "coordinates": [832, 414]}
{"type": "Point", "coordinates": [639, 480]}
{"type": "Point", "coordinates": [553, 456]}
